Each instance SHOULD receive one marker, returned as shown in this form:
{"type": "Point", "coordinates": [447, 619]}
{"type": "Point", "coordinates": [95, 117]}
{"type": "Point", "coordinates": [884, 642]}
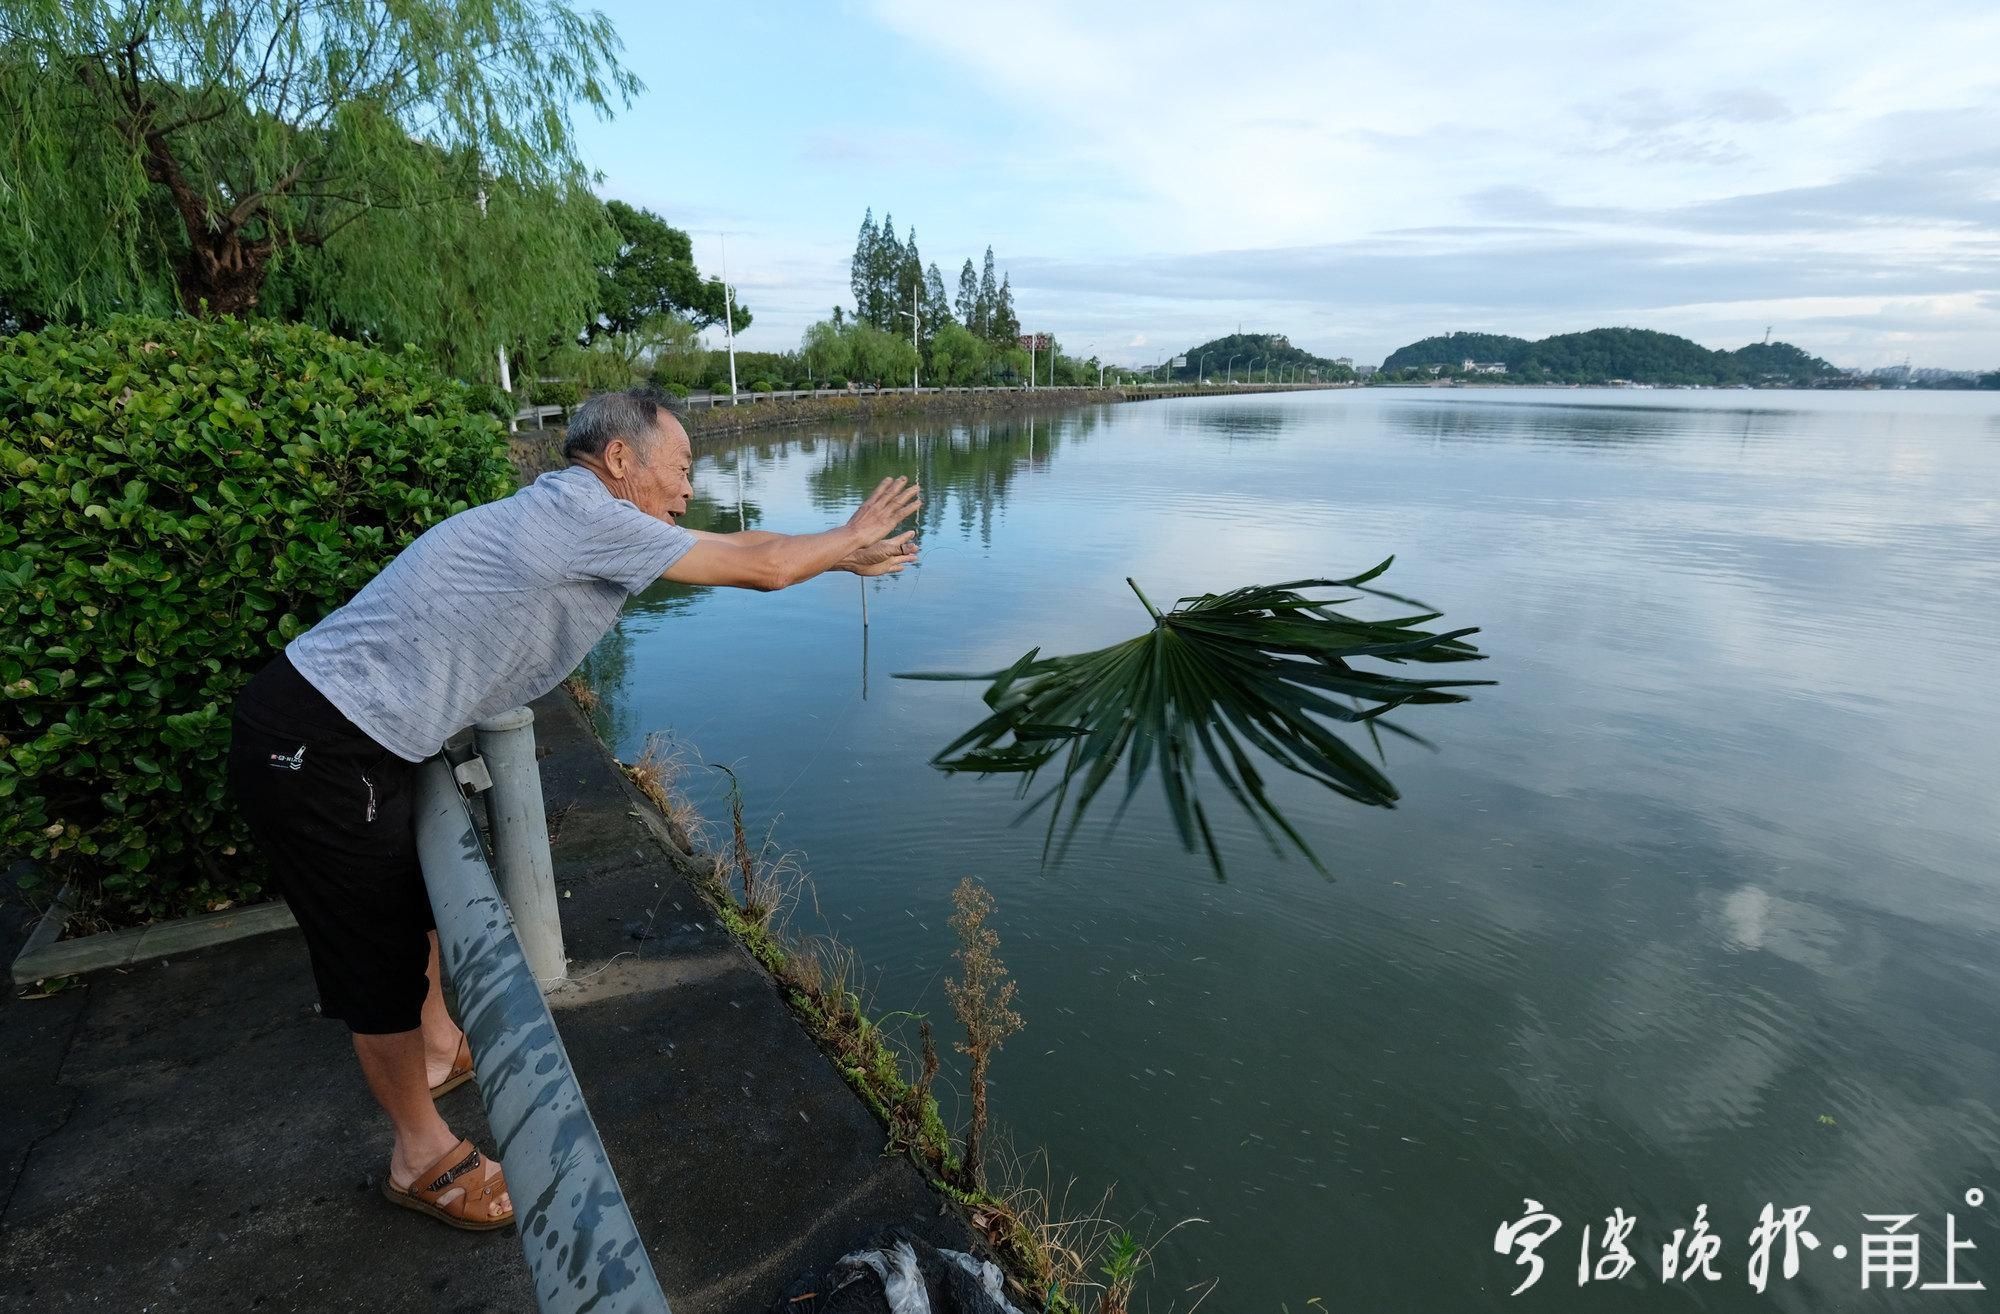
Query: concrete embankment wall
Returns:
{"type": "Point", "coordinates": [536, 451]}
{"type": "Point", "coordinates": [724, 420]}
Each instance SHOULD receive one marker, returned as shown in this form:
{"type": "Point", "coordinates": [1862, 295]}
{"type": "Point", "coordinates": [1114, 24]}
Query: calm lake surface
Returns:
{"type": "Point", "coordinates": [1698, 905]}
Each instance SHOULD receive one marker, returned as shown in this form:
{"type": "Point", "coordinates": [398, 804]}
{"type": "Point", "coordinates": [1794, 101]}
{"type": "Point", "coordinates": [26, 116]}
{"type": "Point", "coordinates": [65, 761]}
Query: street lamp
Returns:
{"type": "Point", "coordinates": [1251, 368]}
{"type": "Point", "coordinates": [1231, 375]}
{"type": "Point", "coordinates": [728, 314]}
{"type": "Point", "coordinates": [912, 313]}
{"type": "Point", "coordinates": [1202, 370]}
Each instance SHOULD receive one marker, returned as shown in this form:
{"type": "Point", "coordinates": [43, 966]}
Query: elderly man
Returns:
{"type": "Point", "coordinates": [487, 610]}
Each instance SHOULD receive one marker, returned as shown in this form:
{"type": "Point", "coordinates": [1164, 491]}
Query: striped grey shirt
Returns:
{"type": "Point", "coordinates": [485, 611]}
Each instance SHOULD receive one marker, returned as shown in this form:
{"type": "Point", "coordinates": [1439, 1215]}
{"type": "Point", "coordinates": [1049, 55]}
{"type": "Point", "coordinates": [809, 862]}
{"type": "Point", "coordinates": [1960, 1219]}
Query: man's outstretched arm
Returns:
{"type": "Point", "coordinates": [760, 559]}
{"type": "Point", "coordinates": [885, 557]}
{"type": "Point", "coordinates": [740, 537]}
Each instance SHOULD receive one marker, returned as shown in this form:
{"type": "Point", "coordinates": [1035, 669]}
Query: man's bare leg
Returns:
{"type": "Point", "coordinates": [441, 1034]}
{"type": "Point", "coordinates": [394, 1067]}
{"type": "Point", "coordinates": [400, 1069]}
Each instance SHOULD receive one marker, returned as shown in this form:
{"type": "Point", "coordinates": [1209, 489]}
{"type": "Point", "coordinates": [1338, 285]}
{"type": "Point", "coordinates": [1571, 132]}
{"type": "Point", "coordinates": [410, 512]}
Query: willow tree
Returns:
{"type": "Point", "coordinates": [394, 166]}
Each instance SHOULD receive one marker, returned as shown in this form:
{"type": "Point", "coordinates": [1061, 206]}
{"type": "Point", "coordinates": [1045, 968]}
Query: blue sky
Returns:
{"type": "Point", "coordinates": [1357, 176]}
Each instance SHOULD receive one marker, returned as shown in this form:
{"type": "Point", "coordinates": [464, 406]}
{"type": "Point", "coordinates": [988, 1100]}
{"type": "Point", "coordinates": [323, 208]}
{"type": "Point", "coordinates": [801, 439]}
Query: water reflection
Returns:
{"type": "Point", "coordinates": [967, 471]}
{"type": "Point", "coordinates": [1577, 426]}
{"type": "Point", "coordinates": [1232, 422]}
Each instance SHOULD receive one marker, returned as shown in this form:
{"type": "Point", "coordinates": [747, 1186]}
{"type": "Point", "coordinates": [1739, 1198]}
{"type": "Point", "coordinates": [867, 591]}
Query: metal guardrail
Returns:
{"type": "Point", "coordinates": [582, 1245]}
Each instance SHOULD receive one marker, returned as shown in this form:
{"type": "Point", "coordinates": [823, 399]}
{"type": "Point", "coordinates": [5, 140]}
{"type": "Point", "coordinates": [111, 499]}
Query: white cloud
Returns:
{"type": "Point", "coordinates": [1827, 144]}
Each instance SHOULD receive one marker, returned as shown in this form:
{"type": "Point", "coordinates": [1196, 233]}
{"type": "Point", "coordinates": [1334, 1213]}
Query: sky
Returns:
{"type": "Point", "coordinates": [1353, 176]}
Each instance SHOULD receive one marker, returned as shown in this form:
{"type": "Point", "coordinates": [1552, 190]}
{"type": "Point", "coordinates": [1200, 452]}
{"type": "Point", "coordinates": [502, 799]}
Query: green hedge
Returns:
{"type": "Point", "coordinates": [493, 400]}
{"type": "Point", "coordinates": [178, 499]}
{"type": "Point", "coordinates": [558, 392]}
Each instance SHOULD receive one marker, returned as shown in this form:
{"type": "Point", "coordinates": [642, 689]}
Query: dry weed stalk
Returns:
{"type": "Point", "coordinates": [657, 773]}
{"type": "Point", "coordinates": [769, 884]}
{"type": "Point", "coordinates": [983, 999]}
{"type": "Point", "coordinates": [927, 1078]}
{"type": "Point", "coordinates": [555, 820]}
{"type": "Point", "coordinates": [915, 1120]}
{"type": "Point", "coordinates": [579, 688]}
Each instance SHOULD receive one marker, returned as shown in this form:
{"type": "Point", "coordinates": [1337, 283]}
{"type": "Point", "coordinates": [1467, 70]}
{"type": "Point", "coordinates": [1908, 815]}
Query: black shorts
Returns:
{"type": "Point", "coordinates": [332, 811]}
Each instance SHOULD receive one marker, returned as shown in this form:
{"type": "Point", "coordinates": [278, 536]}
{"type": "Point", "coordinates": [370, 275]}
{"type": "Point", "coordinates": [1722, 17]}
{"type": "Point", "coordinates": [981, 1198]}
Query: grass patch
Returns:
{"type": "Point", "coordinates": [580, 690]}
{"type": "Point", "coordinates": [659, 767]}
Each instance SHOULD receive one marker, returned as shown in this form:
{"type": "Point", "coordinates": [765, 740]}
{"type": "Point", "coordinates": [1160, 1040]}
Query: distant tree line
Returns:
{"type": "Point", "coordinates": [890, 281]}
{"type": "Point", "coordinates": [903, 325]}
{"type": "Point", "coordinates": [1608, 355]}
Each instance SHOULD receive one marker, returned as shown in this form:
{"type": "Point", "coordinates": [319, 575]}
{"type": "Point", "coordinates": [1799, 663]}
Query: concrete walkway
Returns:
{"type": "Point", "coordinates": [188, 1135]}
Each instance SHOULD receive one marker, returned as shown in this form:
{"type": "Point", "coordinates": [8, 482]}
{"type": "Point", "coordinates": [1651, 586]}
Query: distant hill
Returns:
{"type": "Point", "coordinates": [1455, 348]}
{"type": "Point", "coordinates": [1262, 348]}
{"type": "Point", "coordinates": [1608, 354]}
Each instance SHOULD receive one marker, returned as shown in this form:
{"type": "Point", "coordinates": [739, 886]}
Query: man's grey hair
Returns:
{"type": "Point", "coordinates": [632, 414]}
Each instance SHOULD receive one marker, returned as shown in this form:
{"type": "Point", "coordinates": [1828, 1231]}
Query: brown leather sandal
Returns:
{"type": "Point", "coordinates": [461, 1070]}
{"type": "Point", "coordinates": [466, 1171]}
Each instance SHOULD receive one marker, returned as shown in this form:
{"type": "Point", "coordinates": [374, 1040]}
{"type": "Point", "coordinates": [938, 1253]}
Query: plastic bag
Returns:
{"type": "Point", "coordinates": [904, 1274]}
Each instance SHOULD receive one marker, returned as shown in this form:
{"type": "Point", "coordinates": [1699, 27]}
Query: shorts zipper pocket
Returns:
{"type": "Point", "coordinates": [371, 796]}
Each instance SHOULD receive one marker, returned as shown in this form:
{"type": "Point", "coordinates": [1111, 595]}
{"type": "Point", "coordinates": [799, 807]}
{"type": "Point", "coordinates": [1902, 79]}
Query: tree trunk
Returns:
{"type": "Point", "coordinates": [224, 270]}
{"type": "Point", "coordinates": [224, 275]}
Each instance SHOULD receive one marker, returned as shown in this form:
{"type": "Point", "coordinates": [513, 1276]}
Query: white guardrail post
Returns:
{"type": "Point", "coordinates": [521, 862]}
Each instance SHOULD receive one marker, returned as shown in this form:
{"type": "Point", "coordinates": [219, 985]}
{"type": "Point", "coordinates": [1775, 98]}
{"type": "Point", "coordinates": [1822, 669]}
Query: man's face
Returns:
{"type": "Point", "coordinates": [656, 474]}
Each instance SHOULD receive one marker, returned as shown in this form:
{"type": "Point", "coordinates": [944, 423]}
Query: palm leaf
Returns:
{"type": "Point", "coordinates": [1222, 680]}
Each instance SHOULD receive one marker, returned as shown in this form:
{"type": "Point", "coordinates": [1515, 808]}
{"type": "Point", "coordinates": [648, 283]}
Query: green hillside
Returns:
{"type": "Point", "coordinates": [1608, 354]}
{"type": "Point", "coordinates": [1455, 348]}
{"type": "Point", "coordinates": [1781, 358]}
{"type": "Point", "coordinates": [1262, 349]}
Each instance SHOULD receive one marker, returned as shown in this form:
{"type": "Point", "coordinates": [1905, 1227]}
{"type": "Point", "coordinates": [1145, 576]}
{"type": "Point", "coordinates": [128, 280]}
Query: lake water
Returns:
{"type": "Point", "coordinates": [1698, 905]}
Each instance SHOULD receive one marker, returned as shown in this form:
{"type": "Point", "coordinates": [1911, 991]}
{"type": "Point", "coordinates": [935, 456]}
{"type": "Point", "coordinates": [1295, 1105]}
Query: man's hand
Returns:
{"type": "Point", "coordinates": [867, 545]}
{"type": "Point", "coordinates": [886, 556]}
{"type": "Point", "coordinates": [892, 502]}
